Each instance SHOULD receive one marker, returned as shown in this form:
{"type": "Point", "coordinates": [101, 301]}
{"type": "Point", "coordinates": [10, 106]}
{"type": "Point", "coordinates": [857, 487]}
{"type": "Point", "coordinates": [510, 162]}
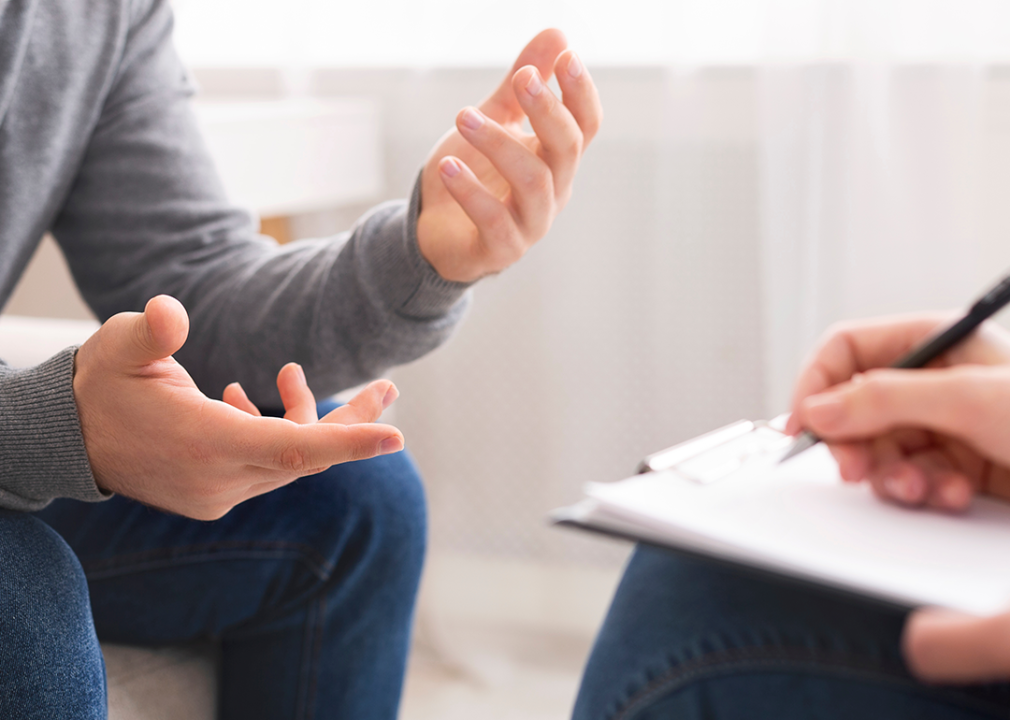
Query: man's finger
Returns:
{"type": "Point", "coordinates": [528, 176]}
{"type": "Point", "coordinates": [541, 52]}
{"type": "Point", "coordinates": [138, 339]}
{"type": "Point", "coordinates": [580, 94]}
{"type": "Point", "coordinates": [298, 449]}
{"type": "Point", "coordinates": [944, 646]}
{"type": "Point", "coordinates": [559, 134]}
{"type": "Point", "coordinates": [299, 402]}
{"type": "Point", "coordinates": [366, 406]}
{"type": "Point", "coordinates": [234, 395]}
{"type": "Point", "coordinates": [498, 240]}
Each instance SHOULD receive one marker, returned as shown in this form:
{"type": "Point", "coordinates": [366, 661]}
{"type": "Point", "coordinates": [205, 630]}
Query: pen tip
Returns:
{"type": "Point", "coordinates": [804, 441]}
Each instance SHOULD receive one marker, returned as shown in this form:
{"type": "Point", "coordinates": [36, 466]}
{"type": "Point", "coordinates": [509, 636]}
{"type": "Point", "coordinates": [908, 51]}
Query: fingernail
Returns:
{"type": "Point", "coordinates": [301, 374]}
{"type": "Point", "coordinates": [574, 66]}
{"type": "Point", "coordinates": [390, 445]}
{"type": "Point", "coordinates": [449, 167]}
{"type": "Point", "coordinates": [390, 396]}
{"type": "Point", "coordinates": [472, 119]}
{"type": "Point", "coordinates": [534, 87]}
{"type": "Point", "coordinates": [825, 409]}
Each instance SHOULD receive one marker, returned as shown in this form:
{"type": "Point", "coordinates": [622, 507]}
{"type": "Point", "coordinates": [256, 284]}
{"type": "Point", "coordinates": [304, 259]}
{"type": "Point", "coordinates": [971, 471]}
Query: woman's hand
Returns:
{"type": "Point", "coordinates": [932, 437]}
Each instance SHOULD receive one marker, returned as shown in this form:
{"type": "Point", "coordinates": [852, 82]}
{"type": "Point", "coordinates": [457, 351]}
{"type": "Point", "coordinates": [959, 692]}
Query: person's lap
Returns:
{"type": "Point", "coordinates": [308, 589]}
{"type": "Point", "coordinates": [686, 638]}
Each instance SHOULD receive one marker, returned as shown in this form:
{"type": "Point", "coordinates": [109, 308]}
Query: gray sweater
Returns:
{"type": "Point", "coordinates": [98, 145]}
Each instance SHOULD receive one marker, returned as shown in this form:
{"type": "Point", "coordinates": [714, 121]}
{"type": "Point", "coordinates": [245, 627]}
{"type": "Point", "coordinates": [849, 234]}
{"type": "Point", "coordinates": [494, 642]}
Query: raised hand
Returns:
{"type": "Point", "coordinates": [489, 190]}
{"type": "Point", "coordinates": [151, 435]}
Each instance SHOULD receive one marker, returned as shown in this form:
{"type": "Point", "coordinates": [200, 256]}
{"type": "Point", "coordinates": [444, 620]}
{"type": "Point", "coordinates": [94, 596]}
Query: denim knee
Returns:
{"type": "Point", "coordinates": [385, 511]}
{"type": "Point", "coordinates": [379, 504]}
{"type": "Point", "coordinates": [50, 661]}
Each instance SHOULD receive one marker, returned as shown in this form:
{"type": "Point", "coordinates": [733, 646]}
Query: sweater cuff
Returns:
{"type": "Point", "coordinates": [413, 288]}
{"type": "Point", "coordinates": [42, 453]}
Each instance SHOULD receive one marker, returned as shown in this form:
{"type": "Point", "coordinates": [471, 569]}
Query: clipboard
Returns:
{"type": "Point", "coordinates": [723, 496]}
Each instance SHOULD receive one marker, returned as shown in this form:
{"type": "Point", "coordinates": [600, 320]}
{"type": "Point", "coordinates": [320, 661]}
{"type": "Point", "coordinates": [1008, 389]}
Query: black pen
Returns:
{"type": "Point", "coordinates": [932, 348]}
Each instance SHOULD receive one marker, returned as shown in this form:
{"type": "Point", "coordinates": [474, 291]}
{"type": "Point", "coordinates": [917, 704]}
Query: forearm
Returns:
{"type": "Point", "coordinates": [344, 308]}
{"type": "Point", "coordinates": [42, 453]}
{"type": "Point", "coordinates": [147, 215]}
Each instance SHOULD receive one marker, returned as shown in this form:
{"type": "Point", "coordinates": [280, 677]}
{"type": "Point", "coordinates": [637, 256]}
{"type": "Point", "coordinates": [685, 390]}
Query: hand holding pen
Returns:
{"type": "Point", "coordinates": [930, 437]}
{"type": "Point", "coordinates": [926, 351]}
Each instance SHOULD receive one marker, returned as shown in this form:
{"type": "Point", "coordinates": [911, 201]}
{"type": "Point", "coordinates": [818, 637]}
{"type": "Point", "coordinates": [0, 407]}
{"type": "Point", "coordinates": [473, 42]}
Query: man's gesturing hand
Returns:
{"type": "Point", "coordinates": [151, 435]}
{"type": "Point", "coordinates": [489, 190]}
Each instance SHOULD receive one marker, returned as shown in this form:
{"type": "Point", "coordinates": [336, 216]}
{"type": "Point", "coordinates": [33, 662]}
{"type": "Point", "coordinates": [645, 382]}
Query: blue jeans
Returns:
{"type": "Point", "coordinates": [308, 590]}
{"type": "Point", "coordinates": [686, 639]}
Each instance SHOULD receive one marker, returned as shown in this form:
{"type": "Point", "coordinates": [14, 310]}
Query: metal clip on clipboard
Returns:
{"type": "Point", "coordinates": [715, 455]}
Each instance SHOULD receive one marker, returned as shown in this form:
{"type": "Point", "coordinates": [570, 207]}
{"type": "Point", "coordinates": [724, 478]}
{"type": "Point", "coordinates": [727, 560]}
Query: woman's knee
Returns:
{"type": "Point", "coordinates": [49, 652]}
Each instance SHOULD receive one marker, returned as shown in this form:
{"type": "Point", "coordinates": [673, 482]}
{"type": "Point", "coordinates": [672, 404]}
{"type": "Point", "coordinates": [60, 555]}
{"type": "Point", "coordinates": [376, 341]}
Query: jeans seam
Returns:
{"type": "Point", "coordinates": [763, 659]}
{"type": "Point", "coordinates": [185, 555]}
{"type": "Point", "coordinates": [311, 650]}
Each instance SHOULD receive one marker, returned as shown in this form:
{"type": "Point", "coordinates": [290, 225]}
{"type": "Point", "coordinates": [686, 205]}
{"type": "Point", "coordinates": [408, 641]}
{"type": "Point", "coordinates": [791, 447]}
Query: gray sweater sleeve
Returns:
{"type": "Point", "coordinates": [43, 450]}
{"type": "Point", "coordinates": [147, 215]}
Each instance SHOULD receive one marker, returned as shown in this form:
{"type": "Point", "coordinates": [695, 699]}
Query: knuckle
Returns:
{"type": "Point", "coordinates": [871, 394]}
{"type": "Point", "coordinates": [837, 333]}
{"type": "Point", "coordinates": [572, 147]}
{"type": "Point", "coordinates": [293, 459]}
{"type": "Point", "coordinates": [540, 181]}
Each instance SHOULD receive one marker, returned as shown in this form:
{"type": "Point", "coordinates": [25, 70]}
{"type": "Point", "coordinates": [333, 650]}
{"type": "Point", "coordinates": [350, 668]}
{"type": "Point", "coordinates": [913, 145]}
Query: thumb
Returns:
{"type": "Point", "coordinates": [542, 52]}
{"type": "Point", "coordinates": [944, 646]}
{"type": "Point", "coordinates": [954, 401]}
{"type": "Point", "coordinates": [141, 338]}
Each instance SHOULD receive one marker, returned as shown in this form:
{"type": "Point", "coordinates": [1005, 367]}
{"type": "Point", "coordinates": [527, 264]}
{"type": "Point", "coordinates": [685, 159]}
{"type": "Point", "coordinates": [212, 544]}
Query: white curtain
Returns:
{"type": "Point", "coordinates": [872, 196]}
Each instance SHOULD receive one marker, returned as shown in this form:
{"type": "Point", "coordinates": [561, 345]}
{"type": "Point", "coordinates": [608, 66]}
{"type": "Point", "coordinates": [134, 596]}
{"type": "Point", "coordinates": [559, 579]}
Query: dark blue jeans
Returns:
{"type": "Point", "coordinates": [309, 591]}
{"type": "Point", "coordinates": [689, 639]}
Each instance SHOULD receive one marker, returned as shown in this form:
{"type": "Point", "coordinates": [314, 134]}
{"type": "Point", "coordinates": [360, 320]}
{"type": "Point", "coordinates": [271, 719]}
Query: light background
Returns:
{"type": "Point", "coordinates": [631, 32]}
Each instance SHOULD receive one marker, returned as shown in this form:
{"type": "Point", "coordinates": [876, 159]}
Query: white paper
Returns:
{"type": "Point", "coordinates": [800, 519]}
